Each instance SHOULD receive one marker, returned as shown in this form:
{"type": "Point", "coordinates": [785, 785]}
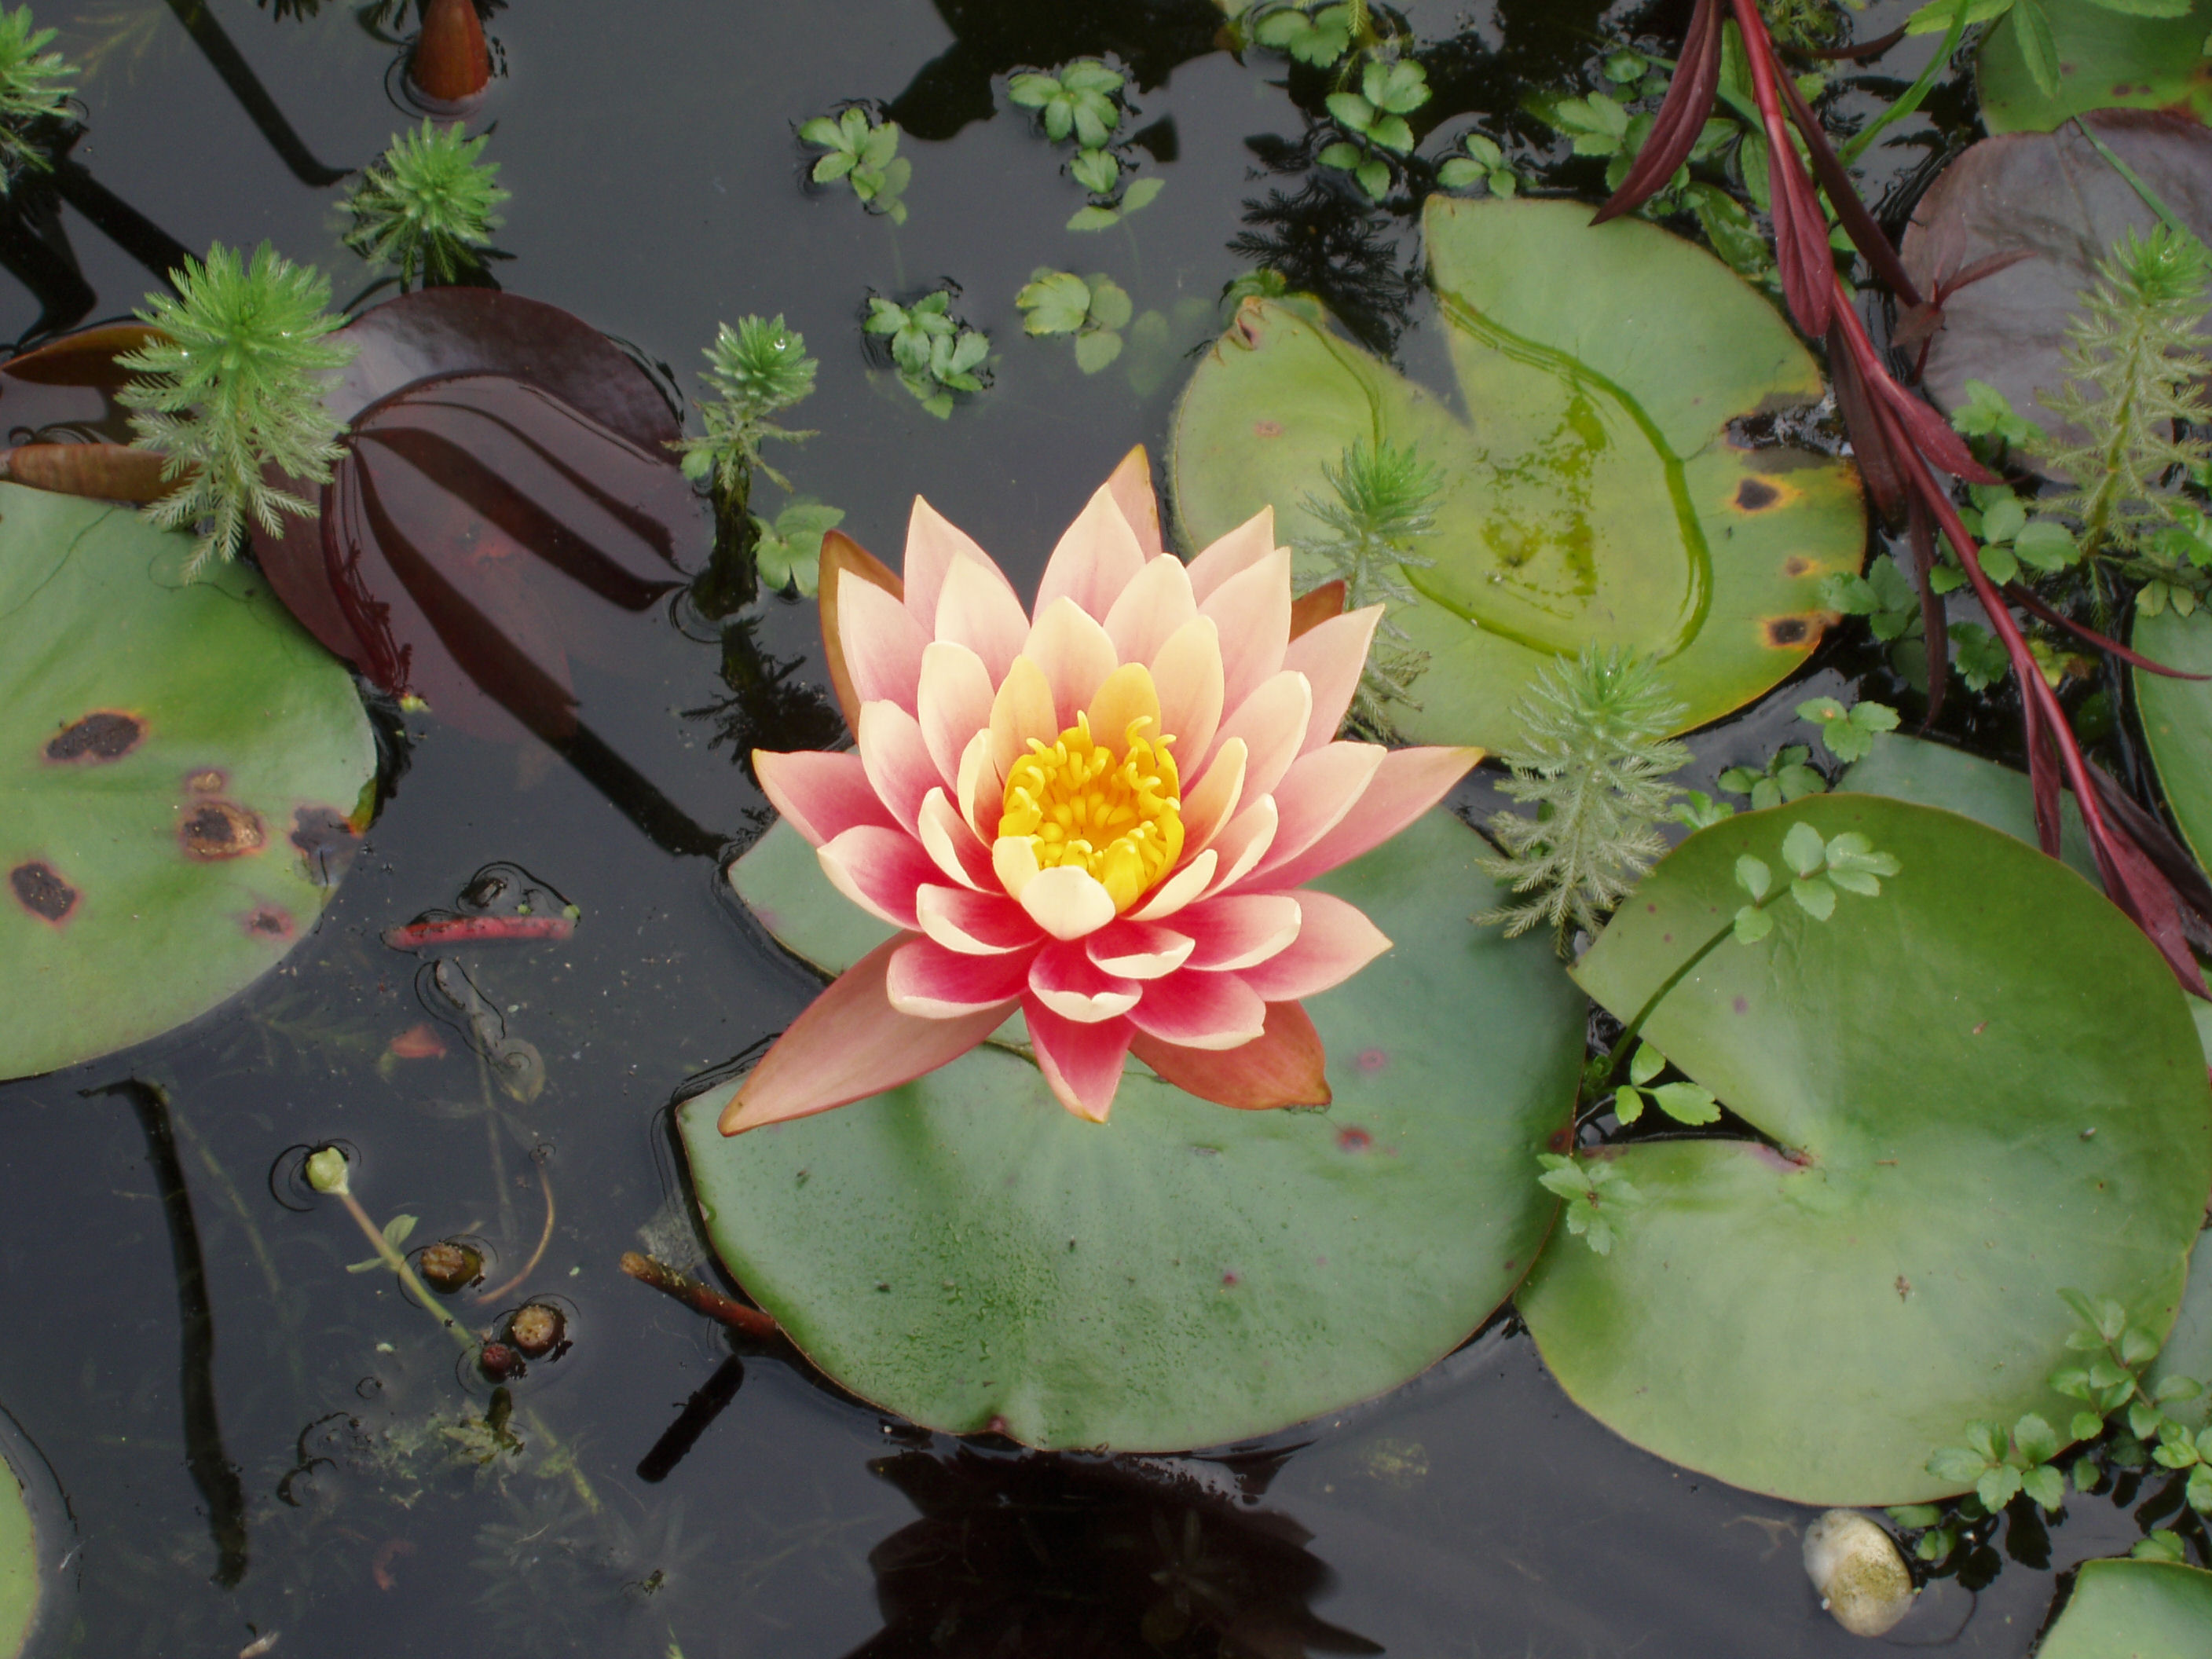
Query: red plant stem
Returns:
{"type": "Point", "coordinates": [700, 1298]}
{"type": "Point", "coordinates": [2027, 599]}
{"type": "Point", "coordinates": [477, 930]}
{"type": "Point", "coordinates": [1800, 233]}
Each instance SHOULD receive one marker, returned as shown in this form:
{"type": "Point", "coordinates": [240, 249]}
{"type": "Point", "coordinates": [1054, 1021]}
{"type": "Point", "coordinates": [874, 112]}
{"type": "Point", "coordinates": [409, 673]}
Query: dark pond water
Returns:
{"type": "Point", "coordinates": [250, 1437]}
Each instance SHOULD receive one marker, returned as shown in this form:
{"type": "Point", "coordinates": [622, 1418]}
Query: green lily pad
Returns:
{"type": "Point", "coordinates": [2108, 59]}
{"type": "Point", "coordinates": [2177, 719]}
{"type": "Point", "coordinates": [1989, 1090]}
{"type": "Point", "coordinates": [35, 1527]}
{"type": "Point", "coordinates": [2134, 1610]}
{"type": "Point", "coordinates": [966, 1254]}
{"type": "Point", "coordinates": [2188, 1350]}
{"type": "Point", "coordinates": [19, 1566]}
{"type": "Point", "coordinates": [1599, 484]}
{"type": "Point", "coordinates": [1937, 775]}
{"type": "Point", "coordinates": [184, 773]}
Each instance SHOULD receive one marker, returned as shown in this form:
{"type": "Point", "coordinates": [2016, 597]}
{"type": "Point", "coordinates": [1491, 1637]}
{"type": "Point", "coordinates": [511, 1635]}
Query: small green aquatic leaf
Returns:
{"type": "Point", "coordinates": [1095, 350]}
{"type": "Point", "coordinates": [1753, 875]}
{"type": "Point", "coordinates": [1814, 897]}
{"type": "Point", "coordinates": [2045, 1486]}
{"type": "Point", "coordinates": [1685, 1102]}
{"type": "Point", "coordinates": [1804, 847]}
{"type": "Point", "coordinates": [1053, 302]}
{"type": "Point", "coordinates": [1752, 925]}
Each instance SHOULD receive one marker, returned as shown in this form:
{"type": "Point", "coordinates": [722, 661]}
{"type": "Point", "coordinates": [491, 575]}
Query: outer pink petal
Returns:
{"type": "Point", "coordinates": [1071, 648]}
{"type": "Point", "coordinates": [1082, 1063]}
{"type": "Point", "coordinates": [1067, 981]}
{"type": "Point", "coordinates": [979, 610]}
{"type": "Point", "coordinates": [1315, 794]}
{"type": "Point", "coordinates": [822, 795]}
{"type": "Point", "coordinates": [1284, 1065]}
{"type": "Point", "coordinates": [897, 759]}
{"type": "Point", "coordinates": [1139, 949]}
{"type": "Point", "coordinates": [1095, 560]}
{"type": "Point", "coordinates": [1187, 672]}
{"type": "Point", "coordinates": [849, 1044]}
{"type": "Point", "coordinates": [1131, 484]}
{"type": "Point", "coordinates": [975, 924]}
{"type": "Point", "coordinates": [1235, 553]}
{"type": "Point", "coordinates": [1331, 655]}
{"type": "Point", "coordinates": [934, 546]}
{"type": "Point", "coordinates": [931, 982]}
{"type": "Point", "coordinates": [1253, 611]}
{"type": "Point", "coordinates": [882, 645]}
{"type": "Point", "coordinates": [1240, 929]}
{"type": "Point", "coordinates": [1271, 722]}
{"type": "Point", "coordinates": [1193, 1009]}
{"type": "Point", "coordinates": [952, 703]}
{"type": "Point", "coordinates": [951, 845]}
{"type": "Point", "coordinates": [1149, 610]}
{"type": "Point", "coordinates": [1335, 940]}
{"type": "Point", "coordinates": [1408, 783]}
{"type": "Point", "coordinates": [879, 870]}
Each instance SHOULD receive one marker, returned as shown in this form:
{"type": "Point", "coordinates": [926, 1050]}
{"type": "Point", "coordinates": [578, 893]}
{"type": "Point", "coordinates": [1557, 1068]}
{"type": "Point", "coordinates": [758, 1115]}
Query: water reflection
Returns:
{"type": "Point", "coordinates": [1324, 241]}
{"type": "Point", "coordinates": [1091, 1558]}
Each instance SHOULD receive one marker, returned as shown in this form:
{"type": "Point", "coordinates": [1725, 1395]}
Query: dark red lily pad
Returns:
{"type": "Point", "coordinates": [507, 500]}
{"type": "Point", "coordinates": [2054, 206]}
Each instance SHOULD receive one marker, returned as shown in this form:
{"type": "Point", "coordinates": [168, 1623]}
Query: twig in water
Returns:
{"type": "Point", "coordinates": [700, 1298]}
{"type": "Point", "coordinates": [537, 1255]}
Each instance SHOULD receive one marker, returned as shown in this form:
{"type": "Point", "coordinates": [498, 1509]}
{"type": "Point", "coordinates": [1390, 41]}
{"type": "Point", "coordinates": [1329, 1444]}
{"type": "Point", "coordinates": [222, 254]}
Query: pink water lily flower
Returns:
{"type": "Point", "coordinates": [1099, 816]}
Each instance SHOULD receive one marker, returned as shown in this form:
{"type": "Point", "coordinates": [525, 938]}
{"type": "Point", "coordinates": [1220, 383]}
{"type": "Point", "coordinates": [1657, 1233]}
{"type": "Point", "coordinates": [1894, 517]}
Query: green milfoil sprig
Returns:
{"type": "Point", "coordinates": [754, 370]}
{"type": "Point", "coordinates": [1380, 503]}
{"type": "Point", "coordinates": [34, 86]}
{"type": "Point", "coordinates": [235, 387]}
{"type": "Point", "coordinates": [426, 206]}
{"type": "Point", "coordinates": [1593, 762]}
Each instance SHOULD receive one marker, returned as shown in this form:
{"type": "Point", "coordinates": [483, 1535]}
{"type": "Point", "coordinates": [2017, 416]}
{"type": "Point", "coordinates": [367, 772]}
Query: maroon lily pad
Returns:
{"type": "Point", "coordinates": [2036, 212]}
{"type": "Point", "coordinates": [507, 501]}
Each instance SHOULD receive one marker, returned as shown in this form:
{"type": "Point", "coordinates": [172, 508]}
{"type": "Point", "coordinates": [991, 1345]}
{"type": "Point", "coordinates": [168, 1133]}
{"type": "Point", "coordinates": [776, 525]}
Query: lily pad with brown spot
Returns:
{"type": "Point", "coordinates": [183, 775]}
{"type": "Point", "coordinates": [1600, 481]}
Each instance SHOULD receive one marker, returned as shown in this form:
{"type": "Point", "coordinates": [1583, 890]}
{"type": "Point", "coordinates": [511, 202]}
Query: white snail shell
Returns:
{"type": "Point", "coordinates": [1855, 1567]}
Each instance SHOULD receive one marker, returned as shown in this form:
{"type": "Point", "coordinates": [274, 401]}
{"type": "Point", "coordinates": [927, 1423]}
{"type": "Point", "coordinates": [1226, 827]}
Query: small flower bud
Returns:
{"type": "Point", "coordinates": [498, 1362]}
{"type": "Point", "coordinates": [326, 1170]}
{"type": "Point", "coordinates": [537, 1328]}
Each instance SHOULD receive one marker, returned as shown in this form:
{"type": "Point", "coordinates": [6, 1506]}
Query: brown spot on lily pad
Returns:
{"type": "Point", "coordinates": [221, 829]}
{"type": "Point", "coordinates": [269, 921]}
{"type": "Point", "coordinates": [1267, 428]}
{"type": "Point", "coordinates": [1353, 1140]}
{"type": "Point", "coordinates": [1755, 495]}
{"type": "Point", "coordinates": [39, 888]}
{"type": "Point", "coordinates": [105, 734]}
{"type": "Point", "coordinates": [326, 839]}
{"type": "Point", "coordinates": [1787, 633]}
{"type": "Point", "coordinates": [1798, 565]}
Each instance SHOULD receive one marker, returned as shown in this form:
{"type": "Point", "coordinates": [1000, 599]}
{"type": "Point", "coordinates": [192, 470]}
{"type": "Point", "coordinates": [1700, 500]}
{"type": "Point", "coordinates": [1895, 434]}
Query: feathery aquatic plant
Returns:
{"type": "Point", "coordinates": [756, 368]}
{"type": "Point", "coordinates": [426, 205]}
{"type": "Point", "coordinates": [1595, 763]}
{"type": "Point", "coordinates": [2135, 358]}
{"type": "Point", "coordinates": [33, 86]}
{"type": "Point", "coordinates": [1381, 501]}
{"type": "Point", "coordinates": [234, 387]}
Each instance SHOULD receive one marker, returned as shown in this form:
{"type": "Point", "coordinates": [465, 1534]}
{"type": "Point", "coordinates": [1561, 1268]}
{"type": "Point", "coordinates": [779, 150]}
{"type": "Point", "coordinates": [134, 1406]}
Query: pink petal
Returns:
{"type": "Point", "coordinates": [879, 870]}
{"type": "Point", "coordinates": [931, 982]}
{"type": "Point", "coordinates": [954, 848]}
{"type": "Point", "coordinates": [1253, 611]}
{"type": "Point", "coordinates": [1281, 1067]}
{"type": "Point", "coordinates": [1066, 902]}
{"type": "Point", "coordinates": [979, 610]}
{"type": "Point", "coordinates": [1096, 558]}
{"type": "Point", "coordinates": [1179, 888]}
{"type": "Point", "coordinates": [1071, 648]}
{"type": "Point", "coordinates": [1331, 655]}
{"type": "Point", "coordinates": [979, 794]}
{"type": "Point", "coordinates": [822, 795]}
{"type": "Point", "coordinates": [1193, 1009]}
{"type": "Point", "coordinates": [1188, 675]}
{"type": "Point", "coordinates": [1244, 841]}
{"type": "Point", "coordinates": [850, 1043]}
{"type": "Point", "coordinates": [1335, 940]}
{"type": "Point", "coordinates": [1273, 722]}
{"type": "Point", "coordinates": [1239, 929]}
{"type": "Point", "coordinates": [1023, 709]}
{"type": "Point", "coordinates": [1131, 484]}
{"type": "Point", "coordinates": [952, 703]}
{"type": "Point", "coordinates": [934, 547]}
{"type": "Point", "coordinates": [1069, 983]}
{"type": "Point", "coordinates": [1315, 794]}
{"type": "Point", "coordinates": [896, 758]}
{"type": "Point", "coordinates": [1235, 553]}
{"type": "Point", "coordinates": [882, 645]}
{"type": "Point", "coordinates": [974, 924]}
{"type": "Point", "coordinates": [1082, 1063]}
{"type": "Point", "coordinates": [1149, 610]}
{"type": "Point", "coordinates": [1408, 783]}
{"type": "Point", "coordinates": [1139, 949]}
{"type": "Point", "coordinates": [1208, 806]}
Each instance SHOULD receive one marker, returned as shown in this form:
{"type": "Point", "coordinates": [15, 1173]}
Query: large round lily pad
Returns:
{"type": "Point", "coordinates": [37, 1542]}
{"type": "Point", "coordinates": [1602, 479]}
{"type": "Point", "coordinates": [1986, 1089]}
{"type": "Point", "coordinates": [2109, 57]}
{"type": "Point", "coordinates": [965, 1253]}
{"type": "Point", "coordinates": [19, 1566]}
{"type": "Point", "coordinates": [1937, 775]}
{"type": "Point", "coordinates": [2177, 719]}
{"type": "Point", "coordinates": [2134, 1610]}
{"type": "Point", "coordinates": [184, 774]}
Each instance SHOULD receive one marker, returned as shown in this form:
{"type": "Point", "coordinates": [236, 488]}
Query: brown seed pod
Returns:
{"type": "Point", "coordinates": [500, 1362]}
{"type": "Point", "coordinates": [450, 1265]}
{"type": "Point", "coordinates": [537, 1328]}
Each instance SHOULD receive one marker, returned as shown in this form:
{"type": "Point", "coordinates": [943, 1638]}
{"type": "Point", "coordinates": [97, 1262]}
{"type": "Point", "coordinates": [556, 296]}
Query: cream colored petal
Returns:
{"type": "Point", "coordinates": [1127, 695]}
{"type": "Point", "coordinates": [1244, 841]}
{"type": "Point", "coordinates": [934, 546]}
{"type": "Point", "coordinates": [1238, 551]}
{"type": "Point", "coordinates": [980, 792]}
{"type": "Point", "coordinates": [1097, 558]}
{"type": "Point", "coordinates": [1208, 806]}
{"type": "Point", "coordinates": [1273, 723]}
{"type": "Point", "coordinates": [953, 703]}
{"type": "Point", "coordinates": [950, 844]}
{"type": "Point", "coordinates": [1022, 710]}
{"type": "Point", "coordinates": [1071, 648]}
{"type": "Point", "coordinates": [1187, 673]}
{"type": "Point", "coordinates": [1179, 888]}
{"type": "Point", "coordinates": [1013, 858]}
{"type": "Point", "coordinates": [1066, 902]}
{"type": "Point", "coordinates": [1150, 608]}
{"type": "Point", "coordinates": [979, 610]}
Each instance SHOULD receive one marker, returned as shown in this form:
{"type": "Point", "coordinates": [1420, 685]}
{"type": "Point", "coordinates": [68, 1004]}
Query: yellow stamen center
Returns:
{"type": "Point", "coordinates": [1117, 815]}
